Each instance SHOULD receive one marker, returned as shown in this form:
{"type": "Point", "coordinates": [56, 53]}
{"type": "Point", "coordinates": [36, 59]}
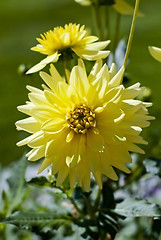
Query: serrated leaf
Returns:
{"type": "Point", "coordinates": [30, 220]}
{"type": "Point", "coordinates": [137, 208]}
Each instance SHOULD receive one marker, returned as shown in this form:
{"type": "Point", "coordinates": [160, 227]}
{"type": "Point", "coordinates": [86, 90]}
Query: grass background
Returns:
{"type": "Point", "coordinates": [22, 21]}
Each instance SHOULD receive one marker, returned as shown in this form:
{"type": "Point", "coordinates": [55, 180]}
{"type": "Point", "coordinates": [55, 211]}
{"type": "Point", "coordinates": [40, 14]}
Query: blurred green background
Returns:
{"type": "Point", "coordinates": [22, 21]}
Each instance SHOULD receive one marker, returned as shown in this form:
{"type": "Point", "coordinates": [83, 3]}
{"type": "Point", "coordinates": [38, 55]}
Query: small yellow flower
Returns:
{"type": "Point", "coordinates": [155, 52]}
{"type": "Point", "coordinates": [120, 6]}
{"type": "Point", "coordinates": [85, 126]}
{"type": "Point", "coordinates": [66, 41]}
{"type": "Point", "coordinates": [123, 7]}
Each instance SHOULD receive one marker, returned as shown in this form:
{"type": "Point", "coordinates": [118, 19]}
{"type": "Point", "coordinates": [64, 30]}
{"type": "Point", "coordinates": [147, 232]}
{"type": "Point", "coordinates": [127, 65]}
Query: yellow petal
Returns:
{"type": "Point", "coordinates": [95, 141]}
{"type": "Point", "coordinates": [28, 124]}
{"type": "Point", "coordinates": [155, 52]}
{"type": "Point", "coordinates": [43, 63]}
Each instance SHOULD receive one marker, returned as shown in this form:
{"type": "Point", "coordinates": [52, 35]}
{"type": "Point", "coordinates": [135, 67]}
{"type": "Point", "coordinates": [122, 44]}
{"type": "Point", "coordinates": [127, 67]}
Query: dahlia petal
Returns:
{"type": "Point", "coordinates": [55, 75]}
{"type": "Point", "coordinates": [36, 153]}
{"type": "Point", "coordinates": [54, 147]}
{"type": "Point", "coordinates": [46, 163]}
{"type": "Point", "coordinates": [90, 55]}
{"type": "Point", "coordinates": [104, 73]}
{"type": "Point", "coordinates": [136, 139]}
{"type": "Point", "coordinates": [92, 159]}
{"type": "Point", "coordinates": [42, 113]}
{"type": "Point", "coordinates": [89, 39]}
{"type": "Point", "coordinates": [34, 90]}
{"type": "Point", "coordinates": [123, 7]}
{"type": "Point", "coordinates": [98, 45]}
{"type": "Point", "coordinates": [62, 176]}
{"type": "Point", "coordinates": [25, 108]}
{"type": "Point", "coordinates": [155, 52]}
{"type": "Point", "coordinates": [37, 98]}
{"type": "Point", "coordinates": [113, 70]}
{"type": "Point", "coordinates": [86, 181]}
{"type": "Point", "coordinates": [110, 173]}
{"type": "Point", "coordinates": [29, 125]}
{"type": "Point", "coordinates": [132, 93]}
{"type": "Point", "coordinates": [30, 138]}
{"type": "Point", "coordinates": [96, 68]}
{"type": "Point", "coordinates": [98, 177]}
{"type": "Point", "coordinates": [95, 141]}
{"type": "Point", "coordinates": [43, 63]}
{"type": "Point", "coordinates": [81, 36]}
{"type": "Point", "coordinates": [54, 99]}
{"type": "Point", "coordinates": [84, 2]}
{"type": "Point", "coordinates": [65, 38]}
{"type": "Point", "coordinates": [48, 80]}
{"type": "Point", "coordinates": [76, 150]}
{"type": "Point", "coordinates": [53, 125]}
{"type": "Point", "coordinates": [72, 178]}
{"type": "Point", "coordinates": [70, 136]}
{"type": "Point", "coordinates": [39, 141]}
{"type": "Point", "coordinates": [116, 80]}
{"type": "Point", "coordinates": [79, 81]}
{"type": "Point", "coordinates": [131, 130]}
{"type": "Point", "coordinates": [133, 148]}
{"type": "Point", "coordinates": [113, 94]}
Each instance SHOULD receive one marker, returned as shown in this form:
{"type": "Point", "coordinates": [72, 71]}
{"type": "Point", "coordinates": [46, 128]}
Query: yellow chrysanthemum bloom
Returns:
{"type": "Point", "coordinates": [120, 6]}
{"type": "Point", "coordinates": [66, 41]}
{"type": "Point", "coordinates": [155, 52]}
{"type": "Point", "coordinates": [85, 126]}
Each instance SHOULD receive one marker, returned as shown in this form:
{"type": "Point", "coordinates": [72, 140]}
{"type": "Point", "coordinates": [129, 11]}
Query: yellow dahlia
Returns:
{"type": "Point", "coordinates": [66, 41]}
{"type": "Point", "coordinates": [85, 126]}
{"type": "Point", "coordinates": [120, 6]}
{"type": "Point", "coordinates": [155, 52]}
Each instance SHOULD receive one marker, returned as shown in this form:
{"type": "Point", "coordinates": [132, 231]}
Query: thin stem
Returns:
{"type": "Point", "coordinates": [117, 30]}
{"type": "Point", "coordinates": [2, 233]}
{"type": "Point", "coordinates": [73, 202]}
{"type": "Point", "coordinates": [107, 20]}
{"type": "Point", "coordinates": [66, 70]}
{"type": "Point", "coordinates": [89, 208]}
{"type": "Point", "coordinates": [96, 8]}
{"type": "Point", "coordinates": [131, 32]}
{"type": "Point", "coordinates": [97, 199]}
{"type": "Point", "coordinates": [75, 205]}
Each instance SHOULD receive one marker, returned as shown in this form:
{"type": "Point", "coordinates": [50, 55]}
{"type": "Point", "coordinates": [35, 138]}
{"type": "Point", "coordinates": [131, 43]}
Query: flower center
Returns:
{"type": "Point", "coordinates": [81, 118]}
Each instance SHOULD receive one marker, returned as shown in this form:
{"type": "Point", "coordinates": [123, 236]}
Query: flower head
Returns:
{"type": "Point", "coordinates": [85, 126]}
{"type": "Point", "coordinates": [155, 52]}
{"type": "Point", "coordinates": [66, 41]}
{"type": "Point", "coordinates": [120, 6]}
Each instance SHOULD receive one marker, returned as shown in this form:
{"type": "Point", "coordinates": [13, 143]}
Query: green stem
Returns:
{"type": "Point", "coordinates": [75, 205]}
{"type": "Point", "coordinates": [90, 209]}
{"type": "Point", "coordinates": [131, 32]}
{"type": "Point", "coordinates": [2, 233]}
{"type": "Point", "coordinates": [96, 8]}
{"type": "Point", "coordinates": [66, 70]}
{"type": "Point", "coordinates": [107, 20]}
{"type": "Point", "coordinates": [73, 202]}
{"type": "Point", "coordinates": [117, 28]}
{"type": "Point", "coordinates": [97, 199]}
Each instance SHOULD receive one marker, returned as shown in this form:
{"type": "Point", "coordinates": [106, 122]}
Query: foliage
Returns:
{"type": "Point", "coordinates": [129, 209]}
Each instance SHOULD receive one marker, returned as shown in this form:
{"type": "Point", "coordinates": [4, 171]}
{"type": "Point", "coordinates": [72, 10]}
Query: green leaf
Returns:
{"type": "Point", "coordinates": [17, 184]}
{"type": "Point", "coordinates": [44, 220]}
{"type": "Point", "coordinates": [137, 208]}
{"type": "Point", "coordinates": [40, 182]}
